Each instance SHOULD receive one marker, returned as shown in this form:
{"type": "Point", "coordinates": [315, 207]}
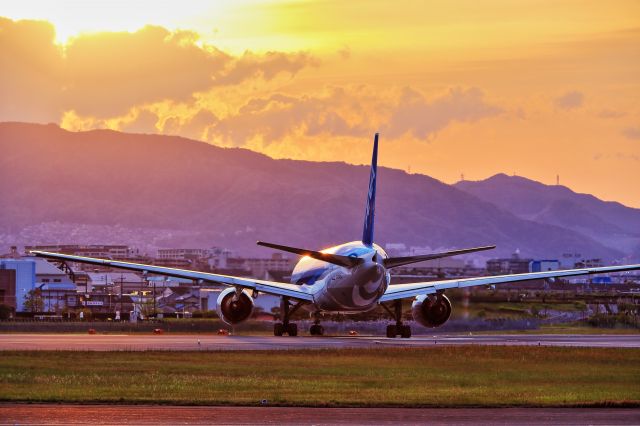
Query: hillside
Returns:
{"type": "Point", "coordinates": [610, 223]}
{"type": "Point", "coordinates": [109, 187]}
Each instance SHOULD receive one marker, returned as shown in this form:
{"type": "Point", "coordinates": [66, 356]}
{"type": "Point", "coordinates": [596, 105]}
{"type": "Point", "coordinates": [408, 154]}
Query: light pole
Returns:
{"type": "Point", "coordinates": [155, 313]}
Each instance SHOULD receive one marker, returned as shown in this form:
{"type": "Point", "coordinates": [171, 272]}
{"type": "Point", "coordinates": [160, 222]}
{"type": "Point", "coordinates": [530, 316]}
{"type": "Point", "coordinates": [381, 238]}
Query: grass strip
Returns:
{"type": "Point", "coordinates": [454, 376]}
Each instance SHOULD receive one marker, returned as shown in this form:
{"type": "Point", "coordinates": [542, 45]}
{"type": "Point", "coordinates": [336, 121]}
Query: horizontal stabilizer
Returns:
{"type": "Point", "coordinates": [336, 259]}
{"type": "Point", "coordinates": [392, 262]}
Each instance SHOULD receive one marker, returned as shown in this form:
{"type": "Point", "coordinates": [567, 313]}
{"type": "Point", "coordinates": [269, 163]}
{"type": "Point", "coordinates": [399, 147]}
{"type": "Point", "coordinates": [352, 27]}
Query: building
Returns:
{"type": "Point", "coordinates": [395, 249]}
{"type": "Point", "coordinates": [127, 282]}
{"type": "Point", "coordinates": [181, 299]}
{"type": "Point", "coordinates": [512, 265]}
{"type": "Point", "coordinates": [24, 281]}
{"type": "Point", "coordinates": [176, 263]}
{"type": "Point", "coordinates": [544, 265]}
{"type": "Point", "coordinates": [260, 267]}
{"type": "Point", "coordinates": [218, 258]}
{"type": "Point", "coordinates": [119, 252]}
{"type": "Point", "coordinates": [53, 289]}
{"type": "Point", "coordinates": [58, 292]}
{"type": "Point", "coordinates": [47, 273]}
{"type": "Point", "coordinates": [183, 253]}
{"type": "Point", "coordinates": [8, 288]}
{"type": "Point", "coordinates": [588, 263]}
{"type": "Point", "coordinates": [13, 253]}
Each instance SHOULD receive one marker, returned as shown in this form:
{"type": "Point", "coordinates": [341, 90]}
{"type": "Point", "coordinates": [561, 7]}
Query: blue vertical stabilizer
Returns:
{"type": "Point", "coordinates": [367, 233]}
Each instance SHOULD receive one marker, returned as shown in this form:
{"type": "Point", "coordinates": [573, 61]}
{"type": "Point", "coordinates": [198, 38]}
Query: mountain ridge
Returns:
{"type": "Point", "coordinates": [204, 195]}
{"type": "Point", "coordinates": [609, 222]}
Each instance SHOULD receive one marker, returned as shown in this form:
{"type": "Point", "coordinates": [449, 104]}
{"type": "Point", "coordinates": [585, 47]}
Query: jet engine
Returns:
{"type": "Point", "coordinates": [234, 308]}
{"type": "Point", "coordinates": [431, 311]}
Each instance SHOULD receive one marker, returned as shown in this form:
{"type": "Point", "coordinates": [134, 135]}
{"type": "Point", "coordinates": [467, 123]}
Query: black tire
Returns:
{"type": "Point", "coordinates": [292, 329]}
{"type": "Point", "coordinates": [405, 332]}
{"type": "Point", "coordinates": [278, 329]}
{"type": "Point", "coordinates": [392, 331]}
{"type": "Point", "coordinates": [314, 330]}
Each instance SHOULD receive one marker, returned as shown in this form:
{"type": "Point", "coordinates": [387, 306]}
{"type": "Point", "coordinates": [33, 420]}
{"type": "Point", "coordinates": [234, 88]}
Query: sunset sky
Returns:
{"type": "Point", "coordinates": [536, 88]}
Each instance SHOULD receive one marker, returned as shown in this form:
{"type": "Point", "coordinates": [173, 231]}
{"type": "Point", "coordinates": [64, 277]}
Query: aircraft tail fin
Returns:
{"type": "Point", "coordinates": [367, 232]}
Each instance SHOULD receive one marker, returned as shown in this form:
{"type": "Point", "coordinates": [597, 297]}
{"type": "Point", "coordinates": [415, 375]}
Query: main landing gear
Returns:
{"type": "Point", "coordinates": [286, 327]}
{"type": "Point", "coordinates": [316, 329]}
{"type": "Point", "coordinates": [397, 329]}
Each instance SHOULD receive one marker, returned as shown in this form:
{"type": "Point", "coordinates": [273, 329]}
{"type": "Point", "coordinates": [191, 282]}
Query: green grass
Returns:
{"type": "Point", "coordinates": [518, 309]}
{"type": "Point", "coordinates": [442, 376]}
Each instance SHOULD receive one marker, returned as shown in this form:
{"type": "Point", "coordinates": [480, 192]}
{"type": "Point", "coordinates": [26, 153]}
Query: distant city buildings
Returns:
{"type": "Point", "coordinates": [35, 286]}
{"type": "Point", "coordinates": [103, 251]}
{"type": "Point", "coordinates": [510, 265]}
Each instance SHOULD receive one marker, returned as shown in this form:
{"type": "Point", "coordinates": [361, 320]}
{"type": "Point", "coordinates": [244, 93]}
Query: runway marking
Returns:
{"type": "Point", "coordinates": [213, 342]}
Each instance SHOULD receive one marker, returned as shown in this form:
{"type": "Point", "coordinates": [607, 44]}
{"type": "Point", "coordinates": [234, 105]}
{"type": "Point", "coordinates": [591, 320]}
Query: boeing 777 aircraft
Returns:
{"type": "Point", "coordinates": [348, 278]}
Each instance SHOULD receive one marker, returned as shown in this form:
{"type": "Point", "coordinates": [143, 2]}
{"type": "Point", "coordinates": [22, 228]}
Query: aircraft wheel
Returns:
{"type": "Point", "coordinates": [391, 331]}
{"type": "Point", "coordinates": [405, 331]}
{"type": "Point", "coordinates": [316, 330]}
{"type": "Point", "coordinates": [278, 329]}
{"type": "Point", "coordinates": [292, 329]}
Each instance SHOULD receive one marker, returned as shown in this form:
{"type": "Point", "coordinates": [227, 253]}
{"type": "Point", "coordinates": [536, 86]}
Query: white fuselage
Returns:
{"type": "Point", "coordinates": [340, 289]}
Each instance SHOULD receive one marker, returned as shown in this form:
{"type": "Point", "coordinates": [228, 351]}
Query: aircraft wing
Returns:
{"type": "Point", "coordinates": [269, 287]}
{"type": "Point", "coordinates": [401, 291]}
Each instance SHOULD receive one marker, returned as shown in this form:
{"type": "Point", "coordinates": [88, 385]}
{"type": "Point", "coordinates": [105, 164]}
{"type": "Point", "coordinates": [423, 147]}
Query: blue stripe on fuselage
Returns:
{"type": "Point", "coordinates": [310, 276]}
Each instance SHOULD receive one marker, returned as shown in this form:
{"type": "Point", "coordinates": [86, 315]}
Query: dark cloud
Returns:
{"type": "Point", "coordinates": [569, 100]}
{"type": "Point", "coordinates": [609, 113]}
{"type": "Point", "coordinates": [632, 133]}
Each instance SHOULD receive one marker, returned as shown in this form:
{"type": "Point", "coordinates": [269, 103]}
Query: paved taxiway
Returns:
{"type": "Point", "coordinates": [185, 342]}
{"type": "Point", "coordinates": [141, 414]}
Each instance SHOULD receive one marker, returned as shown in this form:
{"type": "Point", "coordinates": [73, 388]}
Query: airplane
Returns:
{"type": "Point", "coordinates": [348, 278]}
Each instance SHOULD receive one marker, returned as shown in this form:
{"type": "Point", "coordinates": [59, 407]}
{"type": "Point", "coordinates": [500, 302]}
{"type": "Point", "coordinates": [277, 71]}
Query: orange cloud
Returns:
{"type": "Point", "coordinates": [106, 74]}
{"type": "Point", "coordinates": [632, 133]}
{"type": "Point", "coordinates": [353, 112]}
{"type": "Point", "coordinates": [484, 93]}
{"type": "Point", "coordinates": [416, 115]}
{"type": "Point", "coordinates": [31, 71]}
{"type": "Point", "coordinates": [570, 100]}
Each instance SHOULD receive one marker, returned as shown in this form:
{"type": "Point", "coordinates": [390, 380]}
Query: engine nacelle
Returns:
{"type": "Point", "coordinates": [232, 308]}
{"type": "Point", "coordinates": [431, 311]}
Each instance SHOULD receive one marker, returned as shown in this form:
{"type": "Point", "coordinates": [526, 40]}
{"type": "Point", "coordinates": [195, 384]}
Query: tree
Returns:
{"type": "Point", "coordinates": [34, 302]}
{"type": "Point", "coordinates": [5, 312]}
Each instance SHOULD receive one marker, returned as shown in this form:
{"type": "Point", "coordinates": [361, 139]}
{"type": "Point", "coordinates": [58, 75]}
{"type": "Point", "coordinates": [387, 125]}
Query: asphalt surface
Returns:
{"type": "Point", "coordinates": [186, 342]}
{"type": "Point", "coordinates": [143, 415]}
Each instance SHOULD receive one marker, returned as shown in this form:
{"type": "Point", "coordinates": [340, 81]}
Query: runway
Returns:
{"type": "Point", "coordinates": [144, 414]}
{"type": "Point", "coordinates": [190, 342]}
